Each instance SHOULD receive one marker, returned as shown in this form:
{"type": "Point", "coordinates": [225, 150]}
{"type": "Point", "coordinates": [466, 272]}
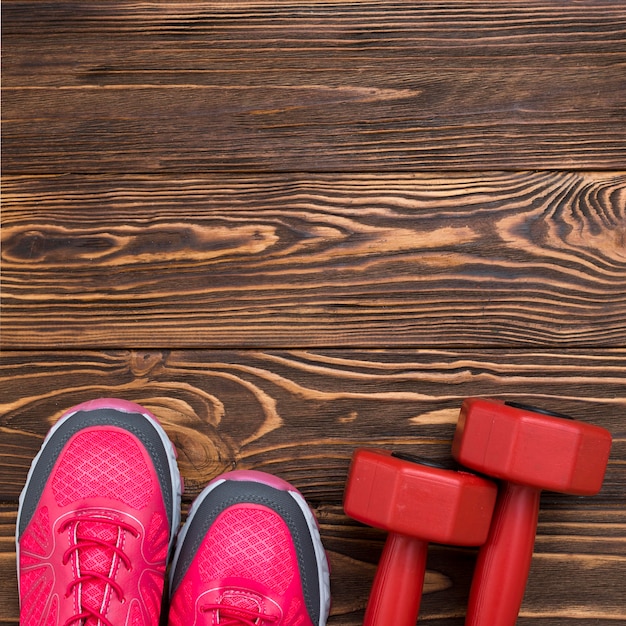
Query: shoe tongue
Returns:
{"type": "Point", "coordinates": [98, 559]}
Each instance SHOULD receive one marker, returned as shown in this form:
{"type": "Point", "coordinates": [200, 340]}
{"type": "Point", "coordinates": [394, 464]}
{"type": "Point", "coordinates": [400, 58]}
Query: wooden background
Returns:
{"type": "Point", "coordinates": [291, 228]}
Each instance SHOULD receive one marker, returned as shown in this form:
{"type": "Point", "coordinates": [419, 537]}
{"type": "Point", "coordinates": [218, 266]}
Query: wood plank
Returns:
{"type": "Point", "coordinates": [315, 86]}
{"type": "Point", "coordinates": [491, 259]}
{"type": "Point", "coordinates": [465, 33]}
{"type": "Point", "coordinates": [300, 415]}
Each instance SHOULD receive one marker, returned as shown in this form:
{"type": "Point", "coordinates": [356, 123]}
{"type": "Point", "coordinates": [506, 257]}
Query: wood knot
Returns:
{"type": "Point", "coordinates": [142, 364]}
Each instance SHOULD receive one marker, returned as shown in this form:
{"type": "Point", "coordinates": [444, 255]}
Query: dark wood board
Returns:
{"type": "Point", "coordinates": [293, 228]}
{"type": "Point", "coordinates": [300, 415]}
{"type": "Point", "coordinates": [314, 86]}
{"type": "Point", "coordinates": [524, 259]}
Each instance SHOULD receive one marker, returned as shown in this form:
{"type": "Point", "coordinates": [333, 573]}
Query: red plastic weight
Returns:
{"type": "Point", "coordinates": [417, 504]}
{"type": "Point", "coordinates": [530, 450]}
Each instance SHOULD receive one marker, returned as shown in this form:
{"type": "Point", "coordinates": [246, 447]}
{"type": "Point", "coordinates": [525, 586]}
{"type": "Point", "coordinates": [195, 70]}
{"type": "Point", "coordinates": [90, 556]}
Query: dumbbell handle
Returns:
{"type": "Point", "coordinates": [504, 560]}
{"type": "Point", "coordinates": [397, 590]}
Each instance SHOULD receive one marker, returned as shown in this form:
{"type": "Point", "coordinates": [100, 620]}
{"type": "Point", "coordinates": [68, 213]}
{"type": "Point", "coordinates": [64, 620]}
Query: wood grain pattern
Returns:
{"type": "Point", "coordinates": [315, 86]}
{"type": "Point", "coordinates": [292, 228]}
{"type": "Point", "coordinates": [496, 259]}
{"type": "Point", "coordinates": [300, 415]}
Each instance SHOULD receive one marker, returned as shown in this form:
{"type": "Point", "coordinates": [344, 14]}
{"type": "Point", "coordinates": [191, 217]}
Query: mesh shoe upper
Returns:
{"type": "Point", "coordinates": [97, 519]}
{"type": "Point", "coordinates": [249, 553]}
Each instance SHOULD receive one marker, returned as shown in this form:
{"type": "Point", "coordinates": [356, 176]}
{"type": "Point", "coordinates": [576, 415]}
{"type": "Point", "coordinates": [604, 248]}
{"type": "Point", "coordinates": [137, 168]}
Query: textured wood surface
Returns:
{"type": "Point", "coordinates": [496, 259]}
{"type": "Point", "coordinates": [292, 228]}
{"type": "Point", "coordinates": [315, 86]}
{"type": "Point", "coordinates": [303, 412]}
{"type": "Point", "coordinates": [300, 414]}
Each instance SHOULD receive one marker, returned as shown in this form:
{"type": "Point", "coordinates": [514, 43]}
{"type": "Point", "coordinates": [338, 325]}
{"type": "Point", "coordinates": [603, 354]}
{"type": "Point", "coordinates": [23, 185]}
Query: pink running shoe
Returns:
{"type": "Point", "coordinates": [97, 519]}
{"type": "Point", "coordinates": [249, 554]}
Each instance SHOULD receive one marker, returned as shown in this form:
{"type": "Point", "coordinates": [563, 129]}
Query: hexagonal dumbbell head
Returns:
{"type": "Point", "coordinates": [530, 450]}
{"type": "Point", "coordinates": [432, 503]}
{"type": "Point", "coordinates": [416, 503]}
{"type": "Point", "coordinates": [531, 447]}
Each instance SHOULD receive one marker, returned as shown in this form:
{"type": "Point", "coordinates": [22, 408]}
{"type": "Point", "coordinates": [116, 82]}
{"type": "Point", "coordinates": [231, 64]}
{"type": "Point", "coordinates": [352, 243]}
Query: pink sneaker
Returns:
{"type": "Point", "coordinates": [249, 554]}
{"type": "Point", "coordinates": [97, 518]}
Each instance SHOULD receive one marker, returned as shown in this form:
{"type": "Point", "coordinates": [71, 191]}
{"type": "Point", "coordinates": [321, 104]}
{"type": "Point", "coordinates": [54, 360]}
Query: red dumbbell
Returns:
{"type": "Point", "coordinates": [417, 503]}
{"type": "Point", "coordinates": [531, 450]}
